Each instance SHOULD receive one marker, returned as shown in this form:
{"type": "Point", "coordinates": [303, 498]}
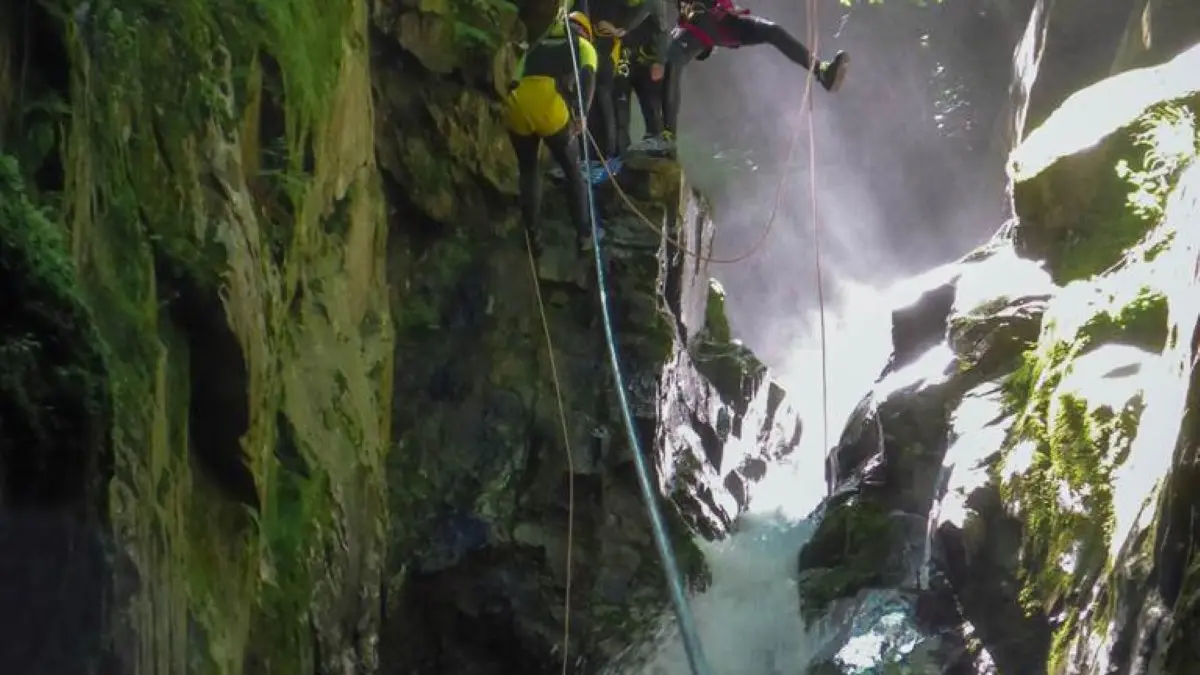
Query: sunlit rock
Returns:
{"type": "Point", "coordinates": [1072, 174]}
{"type": "Point", "coordinates": [1040, 461]}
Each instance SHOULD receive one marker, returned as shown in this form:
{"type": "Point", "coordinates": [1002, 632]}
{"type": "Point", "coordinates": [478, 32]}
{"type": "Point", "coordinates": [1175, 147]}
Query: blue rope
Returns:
{"type": "Point", "coordinates": [683, 613]}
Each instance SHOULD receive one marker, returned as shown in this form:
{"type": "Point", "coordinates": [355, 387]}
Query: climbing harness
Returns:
{"type": "Point", "coordinates": [720, 8]}
{"type": "Point", "coordinates": [683, 614]}
{"type": "Point", "coordinates": [566, 434]}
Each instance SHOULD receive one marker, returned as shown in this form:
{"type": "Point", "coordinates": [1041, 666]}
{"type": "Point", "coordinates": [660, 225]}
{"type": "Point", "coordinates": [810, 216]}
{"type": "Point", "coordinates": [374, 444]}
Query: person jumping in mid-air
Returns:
{"type": "Point", "coordinates": [543, 105]}
{"type": "Point", "coordinates": [646, 48]}
{"type": "Point", "coordinates": [707, 24]}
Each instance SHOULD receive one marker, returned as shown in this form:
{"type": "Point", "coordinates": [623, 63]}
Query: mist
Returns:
{"type": "Point", "coordinates": [909, 174]}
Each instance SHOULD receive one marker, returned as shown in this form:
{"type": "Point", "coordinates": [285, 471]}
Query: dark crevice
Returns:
{"type": "Point", "coordinates": [272, 119]}
{"type": "Point", "coordinates": [389, 57]}
{"type": "Point", "coordinates": [1177, 530]}
{"type": "Point", "coordinates": [269, 186]}
{"type": "Point", "coordinates": [40, 70]}
{"type": "Point", "coordinates": [411, 232]}
{"type": "Point", "coordinates": [56, 579]}
{"type": "Point", "coordinates": [286, 450]}
{"type": "Point", "coordinates": [464, 620]}
{"type": "Point", "coordinates": [337, 222]}
{"type": "Point", "coordinates": [710, 441]}
{"type": "Point", "coordinates": [921, 325]}
{"type": "Point", "coordinates": [218, 405]}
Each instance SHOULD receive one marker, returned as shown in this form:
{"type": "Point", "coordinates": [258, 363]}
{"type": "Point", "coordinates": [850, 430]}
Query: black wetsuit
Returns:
{"type": "Point", "coordinates": [602, 121]}
{"type": "Point", "coordinates": [709, 25]}
{"type": "Point", "coordinates": [552, 57]}
{"type": "Point", "coordinates": [645, 46]}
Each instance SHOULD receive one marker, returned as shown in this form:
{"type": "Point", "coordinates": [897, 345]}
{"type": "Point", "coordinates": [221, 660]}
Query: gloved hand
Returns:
{"type": "Point", "coordinates": [606, 29]}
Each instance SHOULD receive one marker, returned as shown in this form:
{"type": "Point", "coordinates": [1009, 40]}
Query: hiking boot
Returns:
{"type": "Point", "coordinates": [831, 73]}
{"type": "Point", "coordinates": [648, 144]}
{"type": "Point", "coordinates": [664, 144]}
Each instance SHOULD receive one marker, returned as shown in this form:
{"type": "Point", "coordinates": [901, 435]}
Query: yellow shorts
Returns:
{"type": "Point", "coordinates": [536, 107]}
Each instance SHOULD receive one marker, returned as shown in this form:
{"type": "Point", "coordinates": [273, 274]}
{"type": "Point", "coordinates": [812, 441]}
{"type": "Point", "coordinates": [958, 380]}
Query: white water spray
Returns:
{"type": "Point", "coordinates": [749, 617]}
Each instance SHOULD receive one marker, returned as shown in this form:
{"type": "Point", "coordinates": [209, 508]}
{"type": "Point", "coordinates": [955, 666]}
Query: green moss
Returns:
{"type": "Point", "coordinates": [659, 337]}
{"type": "Point", "coordinates": [725, 362]}
{"type": "Point", "coordinates": [475, 21]}
{"type": "Point", "coordinates": [1064, 494]}
{"type": "Point", "coordinates": [1143, 322]}
{"type": "Point", "coordinates": [54, 398]}
{"type": "Point", "coordinates": [1150, 161]}
{"type": "Point", "coordinates": [1087, 216]}
{"type": "Point", "coordinates": [1167, 135]}
{"type": "Point", "coordinates": [159, 88]}
{"type": "Point", "coordinates": [847, 553]}
{"type": "Point", "coordinates": [293, 518]}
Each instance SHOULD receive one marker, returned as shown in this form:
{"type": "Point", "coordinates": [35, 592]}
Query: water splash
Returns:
{"type": "Point", "coordinates": [749, 619]}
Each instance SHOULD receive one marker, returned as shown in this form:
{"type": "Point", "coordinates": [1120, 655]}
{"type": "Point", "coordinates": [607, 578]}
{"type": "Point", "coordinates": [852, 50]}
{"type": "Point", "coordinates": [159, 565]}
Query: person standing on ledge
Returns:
{"type": "Point", "coordinates": [646, 47]}
{"type": "Point", "coordinates": [543, 105]}
{"type": "Point", "coordinates": [705, 25]}
{"type": "Point", "coordinates": [612, 20]}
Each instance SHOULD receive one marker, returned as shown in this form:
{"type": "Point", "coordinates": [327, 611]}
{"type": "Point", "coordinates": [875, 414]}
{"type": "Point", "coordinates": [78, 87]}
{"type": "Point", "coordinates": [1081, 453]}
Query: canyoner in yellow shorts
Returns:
{"type": "Point", "coordinates": [543, 105]}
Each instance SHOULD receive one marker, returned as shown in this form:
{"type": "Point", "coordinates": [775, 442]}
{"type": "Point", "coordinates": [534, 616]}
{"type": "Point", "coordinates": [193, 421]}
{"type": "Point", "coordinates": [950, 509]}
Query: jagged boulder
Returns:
{"type": "Point", "coordinates": [1014, 445]}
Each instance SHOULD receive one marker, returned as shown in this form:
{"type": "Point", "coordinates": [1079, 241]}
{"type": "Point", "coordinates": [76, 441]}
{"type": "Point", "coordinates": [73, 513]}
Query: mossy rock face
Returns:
{"type": "Point", "coordinates": [729, 365]}
{"type": "Point", "coordinates": [850, 551]}
{"type": "Point", "coordinates": [1076, 446]}
{"type": "Point", "coordinates": [479, 437]}
{"type": "Point", "coordinates": [1085, 185]}
{"type": "Point", "coordinates": [55, 447]}
{"type": "Point", "coordinates": [222, 211]}
{"type": "Point", "coordinates": [1143, 322]}
{"type": "Point", "coordinates": [1059, 377]}
{"type": "Point", "coordinates": [56, 412]}
{"type": "Point", "coordinates": [990, 337]}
